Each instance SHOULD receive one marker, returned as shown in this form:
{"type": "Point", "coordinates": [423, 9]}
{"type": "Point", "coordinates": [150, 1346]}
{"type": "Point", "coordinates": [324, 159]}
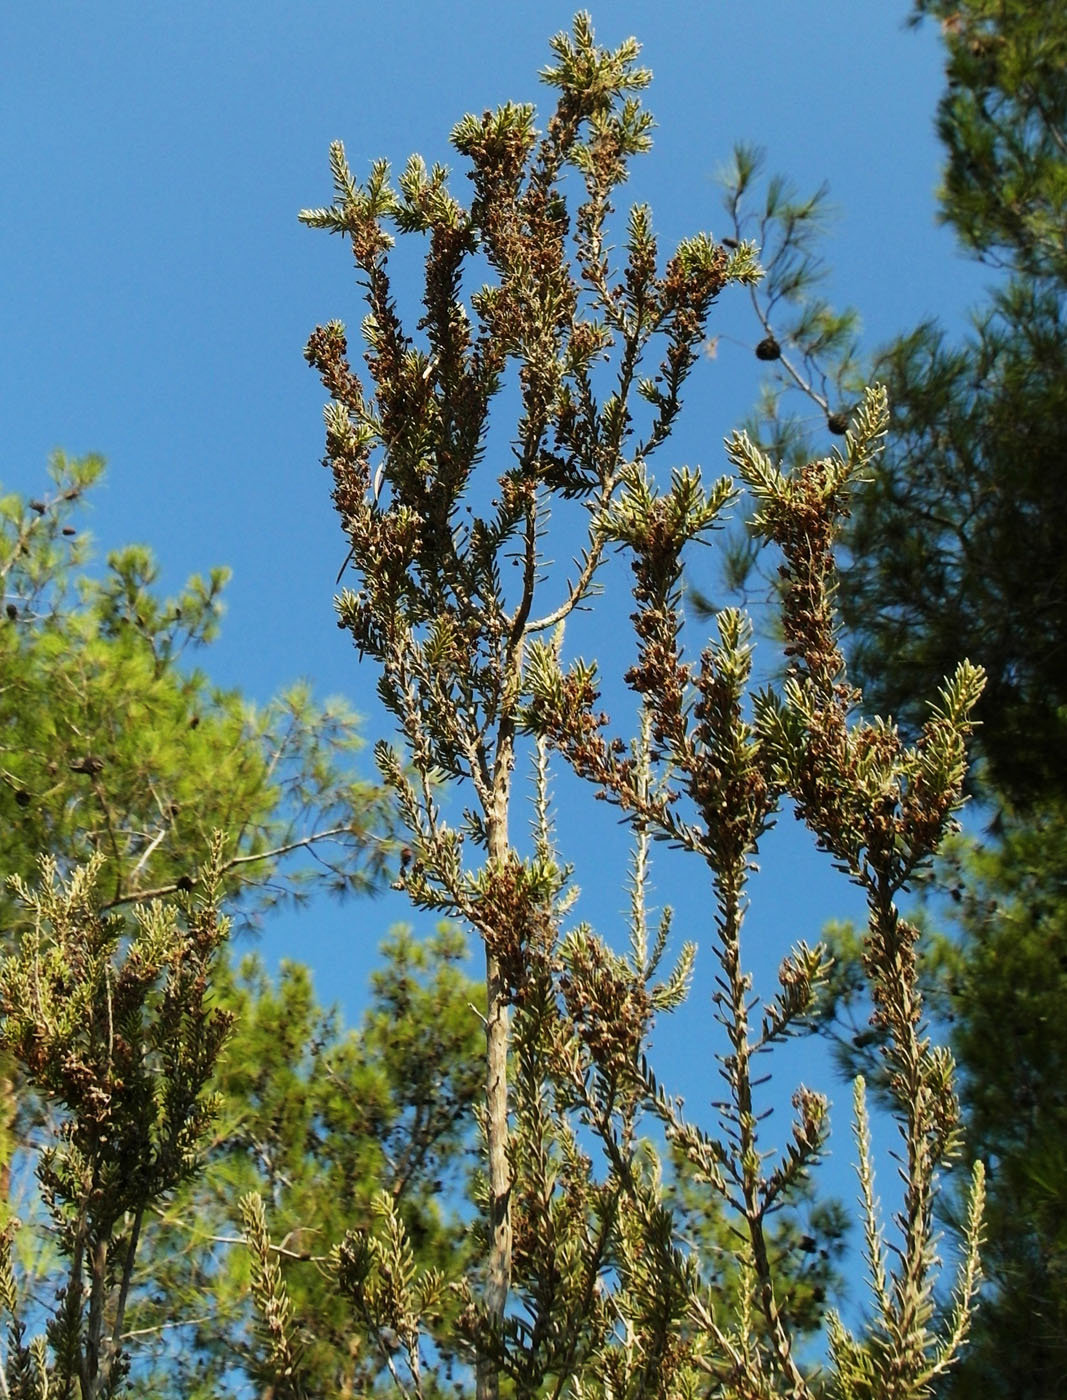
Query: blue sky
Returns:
{"type": "Point", "coordinates": [159, 292]}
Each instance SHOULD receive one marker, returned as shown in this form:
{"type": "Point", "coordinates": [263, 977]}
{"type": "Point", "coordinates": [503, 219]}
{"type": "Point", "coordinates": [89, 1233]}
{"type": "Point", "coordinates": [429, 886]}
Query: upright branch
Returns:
{"type": "Point", "coordinates": [881, 809]}
{"type": "Point", "coordinates": [113, 1027]}
{"type": "Point", "coordinates": [716, 800]}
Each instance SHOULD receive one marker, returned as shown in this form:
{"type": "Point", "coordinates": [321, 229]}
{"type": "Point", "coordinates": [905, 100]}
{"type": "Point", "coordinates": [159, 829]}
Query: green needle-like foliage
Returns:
{"type": "Point", "coordinates": [117, 750]}
{"type": "Point", "coordinates": [114, 745]}
{"type": "Point", "coordinates": [953, 542]}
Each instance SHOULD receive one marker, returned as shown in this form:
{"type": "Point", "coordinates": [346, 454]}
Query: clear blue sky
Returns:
{"type": "Point", "coordinates": [159, 291]}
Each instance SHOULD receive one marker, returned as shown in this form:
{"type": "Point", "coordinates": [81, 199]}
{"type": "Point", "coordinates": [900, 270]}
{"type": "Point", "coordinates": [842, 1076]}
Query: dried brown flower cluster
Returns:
{"type": "Point", "coordinates": [584, 1284]}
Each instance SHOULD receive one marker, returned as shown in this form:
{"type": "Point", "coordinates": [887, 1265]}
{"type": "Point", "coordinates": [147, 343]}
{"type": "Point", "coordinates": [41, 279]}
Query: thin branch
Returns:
{"type": "Point", "coordinates": [190, 882]}
{"type": "Point", "coordinates": [169, 1326]}
{"type": "Point", "coordinates": [147, 853]}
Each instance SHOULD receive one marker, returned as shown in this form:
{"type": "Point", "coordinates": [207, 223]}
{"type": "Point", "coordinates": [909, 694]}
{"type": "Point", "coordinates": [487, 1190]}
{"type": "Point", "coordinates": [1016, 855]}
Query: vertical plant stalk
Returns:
{"type": "Point", "coordinates": [497, 991]}
{"type": "Point", "coordinates": [749, 1157]}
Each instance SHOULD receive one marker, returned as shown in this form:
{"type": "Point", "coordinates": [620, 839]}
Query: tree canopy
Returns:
{"type": "Point", "coordinates": [121, 757]}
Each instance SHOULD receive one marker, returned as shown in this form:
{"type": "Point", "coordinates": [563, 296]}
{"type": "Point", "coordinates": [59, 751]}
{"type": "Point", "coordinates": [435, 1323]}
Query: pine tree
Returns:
{"type": "Point", "coordinates": [1005, 993]}
{"type": "Point", "coordinates": [114, 745]}
{"type": "Point", "coordinates": [112, 1023]}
